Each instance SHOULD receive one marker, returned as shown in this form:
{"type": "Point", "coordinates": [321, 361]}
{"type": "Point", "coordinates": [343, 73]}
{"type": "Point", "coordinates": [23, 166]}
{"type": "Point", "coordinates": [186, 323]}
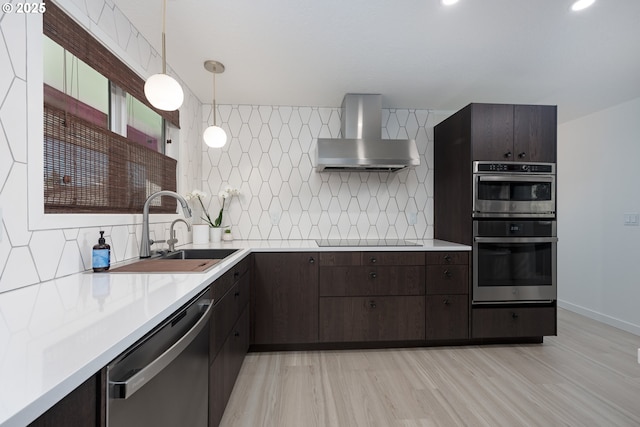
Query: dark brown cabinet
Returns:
{"type": "Point", "coordinates": [535, 133]}
{"type": "Point", "coordinates": [285, 298]}
{"type": "Point", "coordinates": [229, 335]}
{"type": "Point", "coordinates": [371, 296]}
{"type": "Point", "coordinates": [225, 368]}
{"type": "Point", "coordinates": [505, 132]}
{"type": "Point", "coordinates": [447, 317]}
{"type": "Point", "coordinates": [226, 313]}
{"type": "Point", "coordinates": [513, 322]}
{"type": "Point", "coordinates": [490, 131]}
{"type": "Point", "coordinates": [487, 132]}
{"type": "Point", "coordinates": [447, 300]}
{"type": "Point", "coordinates": [84, 406]}
{"type": "Point", "coordinates": [379, 280]}
{"type": "Point", "coordinates": [370, 319]}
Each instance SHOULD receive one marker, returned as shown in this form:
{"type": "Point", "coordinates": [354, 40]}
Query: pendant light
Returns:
{"type": "Point", "coordinates": [162, 90]}
{"type": "Point", "coordinates": [214, 136]}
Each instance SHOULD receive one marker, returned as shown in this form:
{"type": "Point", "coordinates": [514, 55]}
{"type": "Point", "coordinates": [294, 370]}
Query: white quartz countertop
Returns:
{"type": "Point", "coordinates": [56, 334]}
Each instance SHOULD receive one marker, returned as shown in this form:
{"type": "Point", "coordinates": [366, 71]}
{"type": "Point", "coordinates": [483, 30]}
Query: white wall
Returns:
{"type": "Point", "coordinates": [35, 247]}
{"type": "Point", "coordinates": [599, 181]}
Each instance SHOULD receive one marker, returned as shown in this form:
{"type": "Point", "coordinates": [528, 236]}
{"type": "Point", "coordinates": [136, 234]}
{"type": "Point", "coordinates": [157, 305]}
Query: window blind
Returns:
{"type": "Point", "coordinates": [59, 27]}
{"type": "Point", "coordinates": [89, 169]}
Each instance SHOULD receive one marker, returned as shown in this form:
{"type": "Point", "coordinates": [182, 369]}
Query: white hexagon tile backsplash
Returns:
{"type": "Point", "coordinates": [270, 156]}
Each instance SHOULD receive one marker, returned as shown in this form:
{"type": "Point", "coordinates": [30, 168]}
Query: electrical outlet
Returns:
{"type": "Point", "coordinates": [639, 355]}
{"type": "Point", "coordinates": [412, 218]}
{"type": "Point", "coordinates": [632, 219]}
{"type": "Point", "coordinates": [275, 218]}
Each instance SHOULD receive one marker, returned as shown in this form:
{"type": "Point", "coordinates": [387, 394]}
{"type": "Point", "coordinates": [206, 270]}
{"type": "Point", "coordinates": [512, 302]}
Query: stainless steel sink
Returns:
{"type": "Point", "coordinates": [200, 254]}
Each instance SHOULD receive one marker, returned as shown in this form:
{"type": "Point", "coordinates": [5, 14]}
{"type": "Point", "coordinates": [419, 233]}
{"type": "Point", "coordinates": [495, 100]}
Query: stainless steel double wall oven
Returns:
{"type": "Point", "coordinates": [514, 232]}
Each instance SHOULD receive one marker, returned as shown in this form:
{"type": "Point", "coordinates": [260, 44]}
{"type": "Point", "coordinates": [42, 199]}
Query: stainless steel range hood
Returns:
{"type": "Point", "coordinates": [361, 147]}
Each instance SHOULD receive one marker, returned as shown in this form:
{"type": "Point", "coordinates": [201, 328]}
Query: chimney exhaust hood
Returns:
{"type": "Point", "coordinates": [361, 148]}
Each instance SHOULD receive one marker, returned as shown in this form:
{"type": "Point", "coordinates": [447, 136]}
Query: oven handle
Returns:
{"type": "Point", "coordinates": [125, 389]}
{"type": "Point", "coordinates": [509, 178]}
{"type": "Point", "coordinates": [515, 239]}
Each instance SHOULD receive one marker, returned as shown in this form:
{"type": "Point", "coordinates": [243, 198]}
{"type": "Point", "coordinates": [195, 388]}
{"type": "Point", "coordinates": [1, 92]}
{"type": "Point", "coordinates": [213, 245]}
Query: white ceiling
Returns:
{"type": "Point", "coordinates": [416, 53]}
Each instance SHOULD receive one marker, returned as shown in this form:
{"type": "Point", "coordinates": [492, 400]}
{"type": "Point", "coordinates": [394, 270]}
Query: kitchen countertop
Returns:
{"type": "Point", "coordinates": [56, 334]}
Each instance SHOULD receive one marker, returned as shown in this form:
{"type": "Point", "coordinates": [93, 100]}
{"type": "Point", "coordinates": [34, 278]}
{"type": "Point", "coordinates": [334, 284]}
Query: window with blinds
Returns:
{"type": "Point", "coordinates": [87, 167]}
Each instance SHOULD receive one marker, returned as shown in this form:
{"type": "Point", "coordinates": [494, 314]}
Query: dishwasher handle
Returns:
{"type": "Point", "coordinates": [125, 389]}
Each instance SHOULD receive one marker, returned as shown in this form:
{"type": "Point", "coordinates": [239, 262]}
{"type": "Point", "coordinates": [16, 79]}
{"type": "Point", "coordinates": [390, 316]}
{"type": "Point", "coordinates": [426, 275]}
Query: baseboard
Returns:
{"type": "Point", "coordinates": [611, 321]}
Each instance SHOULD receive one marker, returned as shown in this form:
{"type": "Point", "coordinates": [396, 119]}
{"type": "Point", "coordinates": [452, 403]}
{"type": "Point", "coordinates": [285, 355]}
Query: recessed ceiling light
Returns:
{"type": "Point", "coordinates": [582, 4]}
{"type": "Point", "coordinates": [449, 2]}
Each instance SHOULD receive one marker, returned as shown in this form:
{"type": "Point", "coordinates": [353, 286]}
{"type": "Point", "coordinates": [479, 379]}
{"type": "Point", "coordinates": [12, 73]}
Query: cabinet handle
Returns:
{"type": "Point", "coordinates": [236, 274]}
{"type": "Point", "coordinates": [514, 315]}
{"type": "Point", "coordinates": [446, 301]}
{"type": "Point", "coordinates": [447, 259]}
{"type": "Point", "coordinates": [237, 294]}
{"type": "Point", "coordinates": [373, 275]}
{"type": "Point", "coordinates": [237, 334]}
{"type": "Point", "coordinates": [372, 260]}
{"type": "Point", "coordinates": [508, 154]}
{"type": "Point", "coordinates": [522, 155]}
{"type": "Point", "coordinates": [311, 260]}
{"type": "Point", "coordinates": [372, 304]}
{"type": "Point", "coordinates": [447, 274]}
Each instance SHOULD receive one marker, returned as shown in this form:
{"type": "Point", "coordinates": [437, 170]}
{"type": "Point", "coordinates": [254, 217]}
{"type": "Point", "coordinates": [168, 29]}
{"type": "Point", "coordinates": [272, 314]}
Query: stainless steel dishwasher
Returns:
{"type": "Point", "coordinates": [163, 380]}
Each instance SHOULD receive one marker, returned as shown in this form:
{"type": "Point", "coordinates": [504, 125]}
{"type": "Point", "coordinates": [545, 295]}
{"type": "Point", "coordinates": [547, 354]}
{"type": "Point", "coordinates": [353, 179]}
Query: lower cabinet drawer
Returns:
{"type": "Point", "coordinates": [222, 285]}
{"type": "Point", "coordinates": [447, 317]}
{"type": "Point", "coordinates": [225, 368]}
{"type": "Point", "coordinates": [363, 281]}
{"type": "Point", "coordinates": [226, 312]}
{"type": "Point", "coordinates": [356, 319]}
{"type": "Point", "coordinates": [513, 322]}
{"type": "Point", "coordinates": [461, 257]}
{"type": "Point", "coordinates": [447, 279]}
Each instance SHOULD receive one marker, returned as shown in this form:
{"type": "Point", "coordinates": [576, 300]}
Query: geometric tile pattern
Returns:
{"type": "Point", "coordinates": [31, 256]}
{"type": "Point", "coordinates": [270, 157]}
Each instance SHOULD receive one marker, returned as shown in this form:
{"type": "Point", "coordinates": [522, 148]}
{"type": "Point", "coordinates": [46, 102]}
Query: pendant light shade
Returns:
{"type": "Point", "coordinates": [214, 136]}
{"type": "Point", "coordinates": [163, 91]}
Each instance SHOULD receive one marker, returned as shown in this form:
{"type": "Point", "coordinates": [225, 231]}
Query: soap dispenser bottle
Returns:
{"type": "Point", "coordinates": [101, 257]}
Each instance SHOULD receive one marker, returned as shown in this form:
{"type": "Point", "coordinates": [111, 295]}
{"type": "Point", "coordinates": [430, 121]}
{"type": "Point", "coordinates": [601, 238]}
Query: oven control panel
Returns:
{"type": "Point", "coordinates": [514, 167]}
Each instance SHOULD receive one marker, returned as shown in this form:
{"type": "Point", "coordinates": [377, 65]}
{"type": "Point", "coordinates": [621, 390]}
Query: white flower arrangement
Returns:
{"type": "Point", "coordinates": [224, 195]}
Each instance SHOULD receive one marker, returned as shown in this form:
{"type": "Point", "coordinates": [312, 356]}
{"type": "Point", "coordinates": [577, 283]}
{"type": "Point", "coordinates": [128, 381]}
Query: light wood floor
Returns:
{"type": "Point", "coordinates": [586, 376]}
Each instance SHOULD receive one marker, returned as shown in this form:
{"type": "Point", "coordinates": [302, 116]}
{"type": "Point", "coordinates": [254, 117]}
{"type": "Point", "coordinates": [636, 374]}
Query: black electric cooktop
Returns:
{"type": "Point", "coordinates": [365, 242]}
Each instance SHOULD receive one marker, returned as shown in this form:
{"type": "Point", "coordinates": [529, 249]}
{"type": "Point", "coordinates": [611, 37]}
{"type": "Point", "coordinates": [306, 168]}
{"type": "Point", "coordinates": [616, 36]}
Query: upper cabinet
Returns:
{"type": "Point", "coordinates": [484, 132]}
{"type": "Point", "coordinates": [505, 132]}
{"type": "Point", "coordinates": [535, 131]}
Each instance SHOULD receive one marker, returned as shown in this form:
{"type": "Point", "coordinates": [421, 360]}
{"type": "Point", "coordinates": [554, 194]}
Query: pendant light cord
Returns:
{"type": "Point", "coordinates": [214, 98]}
{"type": "Point", "coordinates": [164, 25]}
